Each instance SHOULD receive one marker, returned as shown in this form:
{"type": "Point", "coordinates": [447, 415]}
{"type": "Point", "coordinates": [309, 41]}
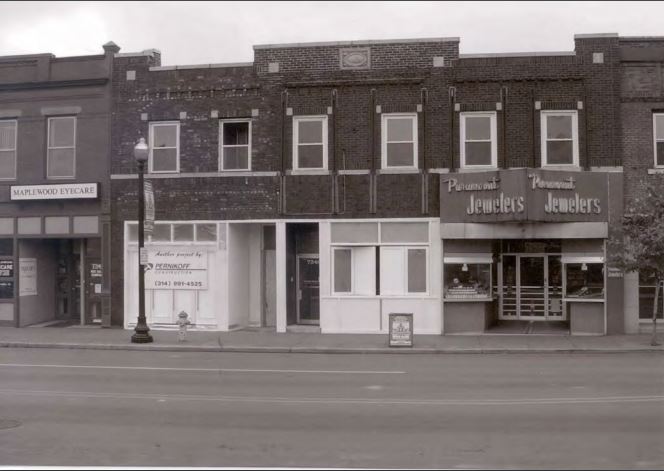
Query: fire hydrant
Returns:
{"type": "Point", "coordinates": [182, 323]}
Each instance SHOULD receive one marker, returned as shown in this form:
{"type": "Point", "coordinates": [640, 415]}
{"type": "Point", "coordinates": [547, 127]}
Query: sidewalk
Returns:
{"type": "Point", "coordinates": [267, 341]}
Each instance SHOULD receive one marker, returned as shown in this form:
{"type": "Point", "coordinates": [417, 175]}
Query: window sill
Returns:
{"type": "Point", "coordinates": [308, 172]}
{"type": "Point", "coordinates": [564, 168]}
{"type": "Point", "coordinates": [655, 171]}
{"type": "Point", "coordinates": [477, 169]}
{"type": "Point", "coordinates": [392, 171]}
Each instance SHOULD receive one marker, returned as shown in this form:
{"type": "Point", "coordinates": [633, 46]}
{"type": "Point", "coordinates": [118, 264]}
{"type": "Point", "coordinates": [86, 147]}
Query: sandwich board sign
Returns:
{"type": "Point", "coordinates": [401, 330]}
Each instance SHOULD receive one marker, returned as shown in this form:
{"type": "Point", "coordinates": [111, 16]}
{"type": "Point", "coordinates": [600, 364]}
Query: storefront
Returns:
{"type": "Point", "coordinates": [527, 248]}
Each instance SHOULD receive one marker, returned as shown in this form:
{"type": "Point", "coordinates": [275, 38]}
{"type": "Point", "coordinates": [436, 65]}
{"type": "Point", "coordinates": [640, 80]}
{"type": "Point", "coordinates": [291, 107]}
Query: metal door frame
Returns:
{"type": "Point", "coordinates": [298, 292]}
{"type": "Point", "coordinates": [501, 288]}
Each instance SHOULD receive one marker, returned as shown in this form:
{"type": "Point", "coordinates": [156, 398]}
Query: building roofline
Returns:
{"type": "Point", "coordinates": [27, 56]}
{"type": "Point", "coordinates": [145, 53]}
{"type": "Point", "coordinates": [201, 66]}
{"type": "Point", "coordinates": [517, 54]}
{"type": "Point", "coordinates": [595, 35]}
{"type": "Point", "coordinates": [358, 43]}
{"type": "Point", "coordinates": [642, 38]}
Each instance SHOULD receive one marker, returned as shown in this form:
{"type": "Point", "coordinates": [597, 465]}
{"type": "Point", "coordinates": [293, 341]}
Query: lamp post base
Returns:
{"type": "Point", "coordinates": [141, 337]}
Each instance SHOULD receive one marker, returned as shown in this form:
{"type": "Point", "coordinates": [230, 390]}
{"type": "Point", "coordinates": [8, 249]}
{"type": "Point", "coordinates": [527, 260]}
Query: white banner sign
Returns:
{"type": "Point", "coordinates": [54, 192]}
{"type": "Point", "coordinates": [149, 207]}
{"type": "Point", "coordinates": [27, 276]}
{"type": "Point", "coordinates": [176, 268]}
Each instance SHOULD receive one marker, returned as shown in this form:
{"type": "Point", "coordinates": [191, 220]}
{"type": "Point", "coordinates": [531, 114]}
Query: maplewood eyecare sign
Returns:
{"type": "Point", "coordinates": [54, 192]}
{"type": "Point", "coordinates": [524, 195]}
{"type": "Point", "coordinates": [176, 268]}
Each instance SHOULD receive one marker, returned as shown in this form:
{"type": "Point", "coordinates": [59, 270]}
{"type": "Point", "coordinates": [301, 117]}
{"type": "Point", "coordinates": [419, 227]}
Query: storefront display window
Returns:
{"type": "Point", "coordinates": [585, 280]}
{"type": "Point", "coordinates": [467, 280]}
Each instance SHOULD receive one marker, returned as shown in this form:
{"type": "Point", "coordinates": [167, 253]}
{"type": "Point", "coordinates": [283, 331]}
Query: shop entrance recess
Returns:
{"type": "Point", "coordinates": [531, 287]}
{"type": "Point", "coordinates": [308, 291]}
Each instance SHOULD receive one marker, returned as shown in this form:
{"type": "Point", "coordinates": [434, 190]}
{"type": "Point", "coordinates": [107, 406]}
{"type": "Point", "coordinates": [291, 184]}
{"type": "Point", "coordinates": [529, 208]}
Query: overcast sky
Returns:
{"type": "Point", "coordinates": [212, 32]}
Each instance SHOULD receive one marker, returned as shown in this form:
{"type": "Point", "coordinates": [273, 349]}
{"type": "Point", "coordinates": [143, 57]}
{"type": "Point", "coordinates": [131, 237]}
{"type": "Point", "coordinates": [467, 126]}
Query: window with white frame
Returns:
{"type": "Point", "coordinates": [479, 146]}
{"type": "Point", "coordinates": [658, 138]}
{"type": "Point", "coordinates": [310, 142]}
{"type": "Point", "coordinates": [61, 153]}
{"type": "Point", "coordinates": [235, 144]}
{"type": "Point", "coordinates": [8, 149]}
{"type": "Point", "coordinates": [560, 138]}
{"type": "Point", "coordinates": [354, 270]}
{"type": "Point", "coordinates": [403, 270]}
{"type": "Point", "coordinates": [164, 147]}
{"type": "Point", "coordinates": [399, 140]}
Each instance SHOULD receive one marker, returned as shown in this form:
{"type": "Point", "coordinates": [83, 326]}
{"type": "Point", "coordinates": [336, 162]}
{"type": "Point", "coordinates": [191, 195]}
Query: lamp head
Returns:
{"type": "Point", "coordinates": [141, 151]}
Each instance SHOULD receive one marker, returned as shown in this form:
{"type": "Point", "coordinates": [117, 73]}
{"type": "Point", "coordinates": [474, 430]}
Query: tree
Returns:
{"type": "Point", "coordinates": [639, 245]}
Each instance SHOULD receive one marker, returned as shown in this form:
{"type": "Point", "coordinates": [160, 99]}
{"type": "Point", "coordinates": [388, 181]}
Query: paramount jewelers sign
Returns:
{"type": "Point", "coordinates": [54, 192]}
{"type": "Point", "coordinates": [176, 268]}
{"type": "Point", "coordinates": [524, 195]}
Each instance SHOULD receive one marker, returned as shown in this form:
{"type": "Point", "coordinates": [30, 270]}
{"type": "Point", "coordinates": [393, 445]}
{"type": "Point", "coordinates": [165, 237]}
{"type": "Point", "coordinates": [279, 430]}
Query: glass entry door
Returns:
{"type": "Point", "coordinates": [531, 287]}
{"type": "Point", "coordinates": [308, 289]}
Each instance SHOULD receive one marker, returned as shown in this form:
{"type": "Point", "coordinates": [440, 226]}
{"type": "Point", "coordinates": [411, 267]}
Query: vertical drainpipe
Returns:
{"type": "Point", "coordinates": [333, 166]}
{"type": "Point", "coordinates": [452, 103]}
{"type": "Point", "coordinates": [586, 156]}
{"type": "Point", "coordinates": [372, 151]}
{"type": "Point", "coordinates": [503, 101]}
{"type": "Point", "coordinates": [284, 105]}
{"type": "Point", "coordinates": [424, 95]}
{"type": "Point", "coordinates": [535, 131]}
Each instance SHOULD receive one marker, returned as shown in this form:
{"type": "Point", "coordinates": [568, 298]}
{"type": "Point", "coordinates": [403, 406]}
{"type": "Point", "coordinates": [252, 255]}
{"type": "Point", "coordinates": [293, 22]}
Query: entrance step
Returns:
{"type": "Point", "coordinates": [304, 329]}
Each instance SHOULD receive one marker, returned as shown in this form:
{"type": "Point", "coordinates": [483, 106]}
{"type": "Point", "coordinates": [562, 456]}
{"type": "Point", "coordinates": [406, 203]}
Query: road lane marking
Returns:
{"type": "Point", "coordinates": [340, 400]}
{"type": "Point", "coordinates": [206, 370]}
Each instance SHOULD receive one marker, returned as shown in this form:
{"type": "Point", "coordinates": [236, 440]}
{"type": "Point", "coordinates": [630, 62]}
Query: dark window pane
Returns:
{"type": "Point", "coordinates": [162, 232]}
{"type": "Point", "coordinates": [206, 232]}
{"type": "Point", "coordinates": [61, 132]}
{"type": "Point", "coordinates": [310, 132]}
{"type": "Point", "coordinates": [7, 163]}
{"type": "Point", "coordinates": [183, 232]}
{"type": "Point", "coordinates": [478, 128]}
{"type": "Point", "coordinates": [400, 154]}
{"type": "Point", "coordinates": [342, 271]}
{"type": "Point", "coordinates": [559, 127]}
{"type": "Point", "coordinates": [417, 270]}
{"type": "Point", "coordinates": [61, 163]}
{"type": "Point", "coordinates": [236, 133]}
{"type": "Point", "coordinates": [133, 232]}
{"type": "Point", "coordinates": [164, 160]}
{"type": "Point", "coordinates": [236, 158]}
{"type": "Point", "coordinates": [310, 156]}
{"type": "Point", "coordinates": [660, 153]}
{"type": "Point", "coordinates": [659, 127]}
{"type": "Point", "coordinates": [478, 153]}
{"type": "Point", "coordinates": [165, 136]}
{"type": "Point", "coordinates": [7, 135]}
{"type": "Point", "coordinates": [559, 152]}
{"type": "Point", "coordinates": [399, 129]}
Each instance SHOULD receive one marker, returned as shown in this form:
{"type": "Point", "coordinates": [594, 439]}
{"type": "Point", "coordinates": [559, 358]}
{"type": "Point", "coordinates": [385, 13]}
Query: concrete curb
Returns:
{"type": "Point", "coordinates": [326, 350]}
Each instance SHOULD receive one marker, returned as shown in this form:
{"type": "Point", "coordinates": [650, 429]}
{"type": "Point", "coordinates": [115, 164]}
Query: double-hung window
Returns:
{"type": "Point", "coordinates": [8, 149]}
{"type": "Point", "coordinates": [399, 140]}
{"type": "Point", "coordinates": [479, 147]}
{"type": "Point", "coordinates": [310, 143]}
{"type": "Point", "coordinates": [235, 144]}
{"type": "Point", "coordinates": [560, 138]}
{"type": "Point", "coordinates": [164, 147]}
{"type": "Point", "coordinates": [61, 152]}
{"type": "Point", "coordinates": [658, 139]}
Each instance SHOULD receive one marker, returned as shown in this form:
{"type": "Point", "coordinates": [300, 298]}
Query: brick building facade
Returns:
{"type": "Point", "coordinates": [326, 185]}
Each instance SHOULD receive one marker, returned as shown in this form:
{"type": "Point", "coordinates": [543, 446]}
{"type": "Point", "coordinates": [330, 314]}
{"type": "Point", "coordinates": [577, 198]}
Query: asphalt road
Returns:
{"type": "Point", "coordinates": [118, 408]}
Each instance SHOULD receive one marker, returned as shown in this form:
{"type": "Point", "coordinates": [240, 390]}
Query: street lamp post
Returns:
{"type": "Point", "coordinates": [142, 331]}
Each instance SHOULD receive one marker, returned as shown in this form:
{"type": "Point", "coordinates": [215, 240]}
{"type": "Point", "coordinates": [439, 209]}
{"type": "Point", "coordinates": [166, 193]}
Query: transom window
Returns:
{"type": "Point", "coordinates": [479, 146]}
{"type": "Point", "coordinates": [8, 149]}
{"type": "Point", "coordinates": [61, 153]}
{"type": "Point", "coordinates": [235, 144]}
{"type": "Point", "coordinates": [164, 147]}
{"type": "Point", "coordinates": [310, 142]}
{"type": "Point", "coordinates": [658, 138]}
{"type": "Point", "coordinates": [560, 142]}
{"type": "Point", "coordinates": [399, 140]}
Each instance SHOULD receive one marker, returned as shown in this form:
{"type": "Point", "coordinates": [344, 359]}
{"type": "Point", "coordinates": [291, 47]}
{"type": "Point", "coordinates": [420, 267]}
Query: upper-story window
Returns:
{"type": "Point", "coordinates": [479, 147]}
{"type": "Point", "coordinates": [310, 142]}
{"type": "Point", "coordinates": [61, 154]}
{"type": "Point", "coordinates": [235, 144]}
{"type": "Point", "coordinates": [164, 147]}
{"type": "Point", "coordinates": [560, 138]}
{"type": "Point", "coordinates": [399, 140]}
{"type": "Point", "coordinates": [658, 139]}
{"type": "Point", "coordinates": [8, 149]}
